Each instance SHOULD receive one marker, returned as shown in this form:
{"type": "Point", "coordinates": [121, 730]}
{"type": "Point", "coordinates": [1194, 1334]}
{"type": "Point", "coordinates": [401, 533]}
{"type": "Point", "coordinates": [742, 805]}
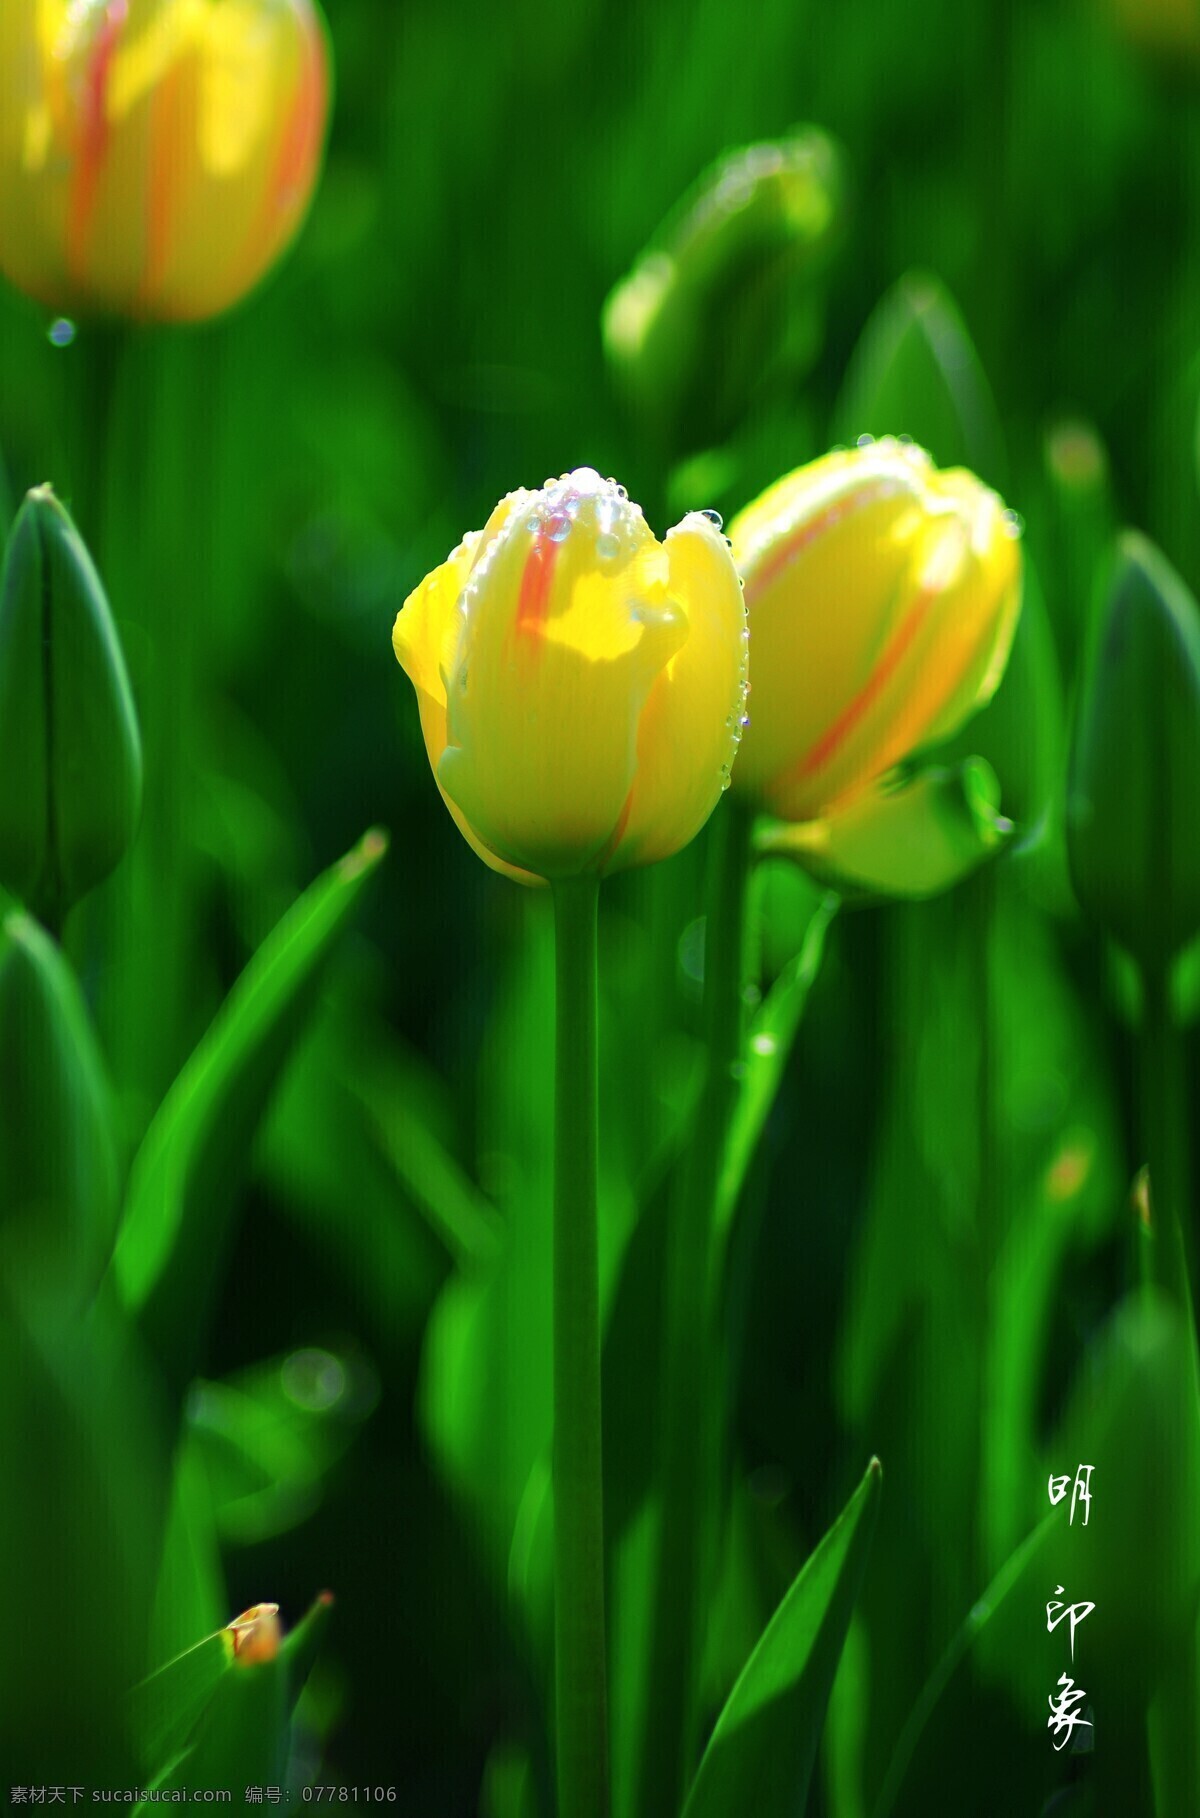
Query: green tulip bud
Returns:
{"type": "Point", "coordinates": [70, 752]}
{"type": "Point", "coordinates": [58, 1175]}
{"type": "Point", "coordinates": [1132, 1417]}
{"type": "Point", "coordinates": [1133, 807]}
{"type": "Point", "coordinates": [719, 306]}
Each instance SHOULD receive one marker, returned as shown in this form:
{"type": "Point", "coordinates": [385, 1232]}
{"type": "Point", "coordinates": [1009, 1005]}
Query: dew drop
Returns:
{"type": "Point", "coordinates": [763, 1043]}
{"type": "Point", "coordinates": [714, 517]}
{"type": "Point", "coordinates": [61, 332]}
{"type": "Point", "coordinates": [607, 546]}
{"type": "Point", "coordinates": [1013, 523]}
{"type": "Point", "coordinates": [865, 442]}
{"type": "Point", "coordinates": [558, 527]}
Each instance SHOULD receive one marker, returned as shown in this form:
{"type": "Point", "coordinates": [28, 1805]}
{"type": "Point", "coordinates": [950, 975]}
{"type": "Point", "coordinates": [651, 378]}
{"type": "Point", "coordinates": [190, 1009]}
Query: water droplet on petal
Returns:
{"type": "Point", "coordinates": [558, 527]}
{"type": "Point", "coordinates": [714, 517]}
{"type": "Point", "coordinates": [1012, 523]}
{"type": "Point", "coordinates": [865, 442]}
{"type": "Point", "coordinates": [61, 332]}
{"type": "Point", "coordinates": [607, 546]}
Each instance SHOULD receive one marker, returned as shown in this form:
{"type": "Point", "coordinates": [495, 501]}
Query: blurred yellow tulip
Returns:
{"type": "Point", "coordinates": [883, 596]}
{"type": "Point", "coordinates": [580, 684]}
{"type": "Point", "coordinates": [156, 156]}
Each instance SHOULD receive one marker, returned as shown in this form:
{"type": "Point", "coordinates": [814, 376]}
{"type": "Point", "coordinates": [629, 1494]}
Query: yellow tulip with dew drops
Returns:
{"type": "Point", "coordinates": [883, 596]}
{"type": "Point", "coordinates": [156, 156]}
{"type": "Point", "coordinates": [581, 685]}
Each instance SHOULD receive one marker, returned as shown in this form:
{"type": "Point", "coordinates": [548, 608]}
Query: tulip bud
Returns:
{"type": "Point", "coordinates": [580, 684]}
{"type": "Point", "coordinates": [1132, 801]}
{"type": "Point", "coordinates": [883, 596]}
{"type": "Point", "coordinates": [58, 1185]}
{"type": "Point", "coordinates": [68, 732]}
{"type": "Point", "coordinates": [716, 301]}
{"type": "Point", "coordinates": [156, 156]}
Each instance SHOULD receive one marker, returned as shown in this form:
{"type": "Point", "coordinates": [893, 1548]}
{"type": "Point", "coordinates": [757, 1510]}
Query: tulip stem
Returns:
{"type": "Point", "coordinates": [1174, 1713]}
{"type": "Point", "coordinates": [580, 1654]}
{"type": "Point", "coordinates": [691, 1387]}
{"type": "Point", "coordinates": [1164, 1133]}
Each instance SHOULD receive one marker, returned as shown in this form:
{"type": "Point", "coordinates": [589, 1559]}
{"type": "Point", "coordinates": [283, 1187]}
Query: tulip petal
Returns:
{"type": "Point", "coordinates": [158, 154]}
{"type": "Point", "coordinates": [883, 600]}
{"type": "Point", "coordinates": [810, 552]}
{"type": "Point", "coordinates": [557, 654]}
{"type": "Point", "coordinates": [692, 722]}
{"type": "Point", "coordinates": [424, 637]}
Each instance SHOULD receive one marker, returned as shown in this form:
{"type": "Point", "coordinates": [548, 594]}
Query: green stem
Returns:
{"type": "Point", "coordinates": [1174, 1714]}
{"type": "Point", "coordinates": [580, 1656]}
{"type": "Point", "coordinates": [1174, 1725]}
{"type": "Point", "coordinates": [691, 1388]}
{"type": "Point", "coordinates": [1164, 1134]}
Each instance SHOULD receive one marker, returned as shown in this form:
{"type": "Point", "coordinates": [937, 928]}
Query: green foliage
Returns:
{"type": "Point", "coordinates": [1136, 742]}
{"type": "Point", "coordinates": [58, 1163]}
{"type": "Point", "coordinates": [915, 372]}
{"type": "Point", "coordinates": [194, 1153]}
{"type": "Point", "coordinates": [765, 1741]}
{"type": "Point", "coordinates": [924, 1220]}
{"type": "Point", "coordinates": [67, 724]}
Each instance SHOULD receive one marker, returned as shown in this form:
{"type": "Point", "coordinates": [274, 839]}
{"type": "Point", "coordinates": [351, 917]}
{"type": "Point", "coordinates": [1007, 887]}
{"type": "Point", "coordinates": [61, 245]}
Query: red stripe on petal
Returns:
{"type": "Point", "coordinates": [808, 530]}
{"type": "Point", "coordinates": [93, 140]}
{"type": "Point", "coordinates": [819, 754]}
{"type": "Point", "coordinates": [533, 605]}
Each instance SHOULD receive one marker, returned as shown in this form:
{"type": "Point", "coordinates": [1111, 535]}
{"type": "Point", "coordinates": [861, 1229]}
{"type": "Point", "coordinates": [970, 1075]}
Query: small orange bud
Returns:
{"type": "Point", "coordinates": [255, 1634]}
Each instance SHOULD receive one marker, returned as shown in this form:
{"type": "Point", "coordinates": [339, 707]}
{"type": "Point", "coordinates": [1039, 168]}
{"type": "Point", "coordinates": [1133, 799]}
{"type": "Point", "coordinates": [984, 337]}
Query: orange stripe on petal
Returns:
{"type": "Point", "coordinates": [533, 606]}
{"type": "Point", "coordinates": [94, 135]}
{"type": "Point", "coordinates": [786, 552]}
{"type": "Point", "coordinates": [162, 188]}
{"type": "Point", "coordinates": [819, 754]}
{"type": "Point", "coordinates": [291, 179]}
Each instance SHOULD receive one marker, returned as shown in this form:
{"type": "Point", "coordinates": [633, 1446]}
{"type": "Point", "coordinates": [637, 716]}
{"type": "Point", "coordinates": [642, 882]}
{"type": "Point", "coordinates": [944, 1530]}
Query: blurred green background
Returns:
{"type": "Point", "coordinates": [911, 1278]}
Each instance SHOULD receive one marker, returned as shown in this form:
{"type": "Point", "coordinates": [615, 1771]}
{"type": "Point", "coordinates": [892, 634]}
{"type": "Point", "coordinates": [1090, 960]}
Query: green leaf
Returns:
{"type": "Point", "coordinates": [929, 1725]}
{"type": "Point", "coordinates": [765, 1061]}
{"type": "Point", "coordinates": [58, 1170]}
{"type": "Point", "coordinates": [168, 1705]}
{"type": "Point", "coordinates": [207, 1720]}
{"type": "Point", "coordinates": [915, 372]}
{"type": "Point", "coordinates": [761, 1753]}
{"type": "Point", "coordinates": [269, 1435]}
{"type": "Point", "coordinates": [81, 1518]}
{"type": "Point", "coordinates": [909, 836]}
{"type": "Point", "coordinates": [68, 728]}
{"type": "Point", "coordinates": [182, 1189]}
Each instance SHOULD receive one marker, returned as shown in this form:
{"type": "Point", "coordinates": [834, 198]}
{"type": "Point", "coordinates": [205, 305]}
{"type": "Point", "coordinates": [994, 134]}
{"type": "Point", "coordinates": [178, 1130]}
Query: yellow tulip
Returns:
{"type": "Point", "coordinates": [580, 684]}
{"type": "Point", "coordinates": [883, 596]}
{"type": "Point", "coordinates": [156, 156]}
